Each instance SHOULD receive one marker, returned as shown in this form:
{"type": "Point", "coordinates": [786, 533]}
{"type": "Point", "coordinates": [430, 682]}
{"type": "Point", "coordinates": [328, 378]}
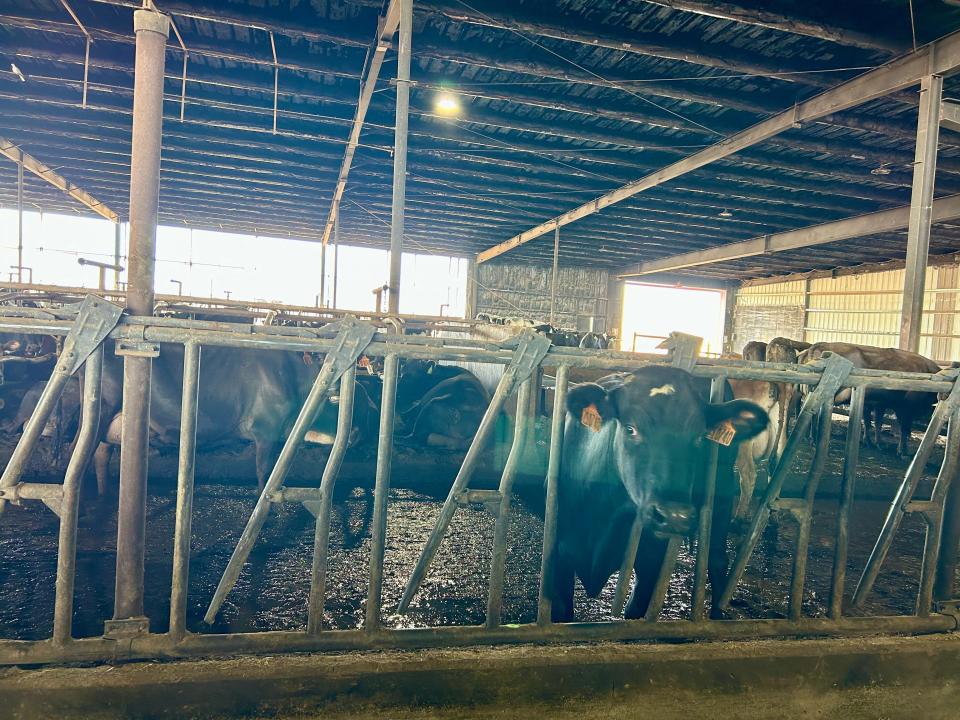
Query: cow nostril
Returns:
{"type": "Point", "coordinates": [657, 516]}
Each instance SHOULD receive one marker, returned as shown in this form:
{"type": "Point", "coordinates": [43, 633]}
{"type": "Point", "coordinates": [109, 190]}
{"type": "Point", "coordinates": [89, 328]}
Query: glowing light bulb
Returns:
{"type": "Point", "coordinates": [447, 105]}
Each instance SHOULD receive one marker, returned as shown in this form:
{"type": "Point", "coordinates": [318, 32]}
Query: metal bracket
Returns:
{"type": "Point", "coordinates": [951, 608]}
{"type": "Point", "coordinates": [126, 629]}
{"type": "Point", "coordinates": [683, 350]}
{"type": "Point", "coordinates": [133, 348]}
{"type": "Point", "coordinates": [478, 497]}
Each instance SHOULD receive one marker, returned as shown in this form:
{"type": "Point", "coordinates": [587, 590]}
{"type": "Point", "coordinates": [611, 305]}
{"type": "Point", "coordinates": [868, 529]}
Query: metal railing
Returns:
{"type": "Point", "coordinates": [341, 344]}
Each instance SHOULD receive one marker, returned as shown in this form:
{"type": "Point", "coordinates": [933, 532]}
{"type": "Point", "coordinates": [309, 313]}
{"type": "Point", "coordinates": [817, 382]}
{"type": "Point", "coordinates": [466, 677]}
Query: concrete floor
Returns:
{"type": "Point", "coordinates": [856, 678]}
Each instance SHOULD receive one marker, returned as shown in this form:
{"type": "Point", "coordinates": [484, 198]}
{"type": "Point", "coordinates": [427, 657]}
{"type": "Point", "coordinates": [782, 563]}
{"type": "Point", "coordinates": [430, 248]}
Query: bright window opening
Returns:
{"type": "Point", "coordinates": [652, 312]}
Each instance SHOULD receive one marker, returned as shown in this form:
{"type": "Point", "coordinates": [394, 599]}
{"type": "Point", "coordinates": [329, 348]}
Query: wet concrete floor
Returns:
{"type": "Point", "coordinates": [273, 588]}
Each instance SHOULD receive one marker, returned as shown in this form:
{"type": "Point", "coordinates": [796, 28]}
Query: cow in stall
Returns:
{"type": "Point", "coordinates": [907, 405]}
{"type": "Point", "coordinates": [243, 394]}
{"type": "Point", "coordinates": [777, 399]}
{"type": "Point", "coordinates": [638, 443]}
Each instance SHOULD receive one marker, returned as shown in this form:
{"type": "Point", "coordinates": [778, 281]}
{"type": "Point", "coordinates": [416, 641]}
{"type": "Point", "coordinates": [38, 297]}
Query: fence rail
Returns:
{"type": "Point", "coordinates": [340, 345]}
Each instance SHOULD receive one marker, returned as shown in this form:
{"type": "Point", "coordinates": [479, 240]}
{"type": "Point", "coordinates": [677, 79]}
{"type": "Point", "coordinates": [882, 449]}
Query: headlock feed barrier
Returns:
{"type": "Point", "coordinates": [98, 324]}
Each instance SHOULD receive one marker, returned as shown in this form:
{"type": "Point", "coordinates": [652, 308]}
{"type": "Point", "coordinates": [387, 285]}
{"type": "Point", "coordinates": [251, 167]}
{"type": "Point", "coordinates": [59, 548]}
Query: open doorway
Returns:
{"type": "Point", "coordinates": [651, 312]}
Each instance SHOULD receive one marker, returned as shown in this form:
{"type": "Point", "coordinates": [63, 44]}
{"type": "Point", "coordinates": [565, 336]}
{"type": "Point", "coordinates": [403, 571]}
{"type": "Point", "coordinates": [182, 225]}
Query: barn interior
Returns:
{"type": "Point", "coordinates": [616, 170]}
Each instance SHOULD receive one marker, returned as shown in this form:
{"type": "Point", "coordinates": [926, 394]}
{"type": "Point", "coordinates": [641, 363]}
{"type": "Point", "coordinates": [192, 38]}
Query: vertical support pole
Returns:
{"type": "Point", "coordinates": [152, 29]}
{"type": "Point", "coordinates": [336, 255]}
{"type": "Point", "coordinates": [545, 601]}
{"type": "Point", "coordinates": [185, 473]}
{"type": "Point", "coordinates": [391, 369]}
{"type": "Point", "coordinates": [323, 274]}
{"type": "Point", "coordinates": [20, 219]}
{"type": "Point", "coordinates": [116, 254]}
{"type": "Point", "coordinates": [921, 212]}
{"type": "Point", "coordinates": [705, 517]}
{"type": "Point", "coordinates": [950, 534]}
{"type": "Point", "coordinates": [553, 283]}
{"type": "Point", "coordinates": [70, 503]}
{"type": "Point", "coordinates": [400, 154]}
{"type": "Point", "coordinates": [851, 459]}
{"type": "Point", "coordinates": [498, 560]}
{"type": "Point", "coordinates": [86, 71]}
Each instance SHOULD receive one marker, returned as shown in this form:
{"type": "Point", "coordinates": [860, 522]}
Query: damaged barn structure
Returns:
{"type": "Point", "coordinates": [794, 163]}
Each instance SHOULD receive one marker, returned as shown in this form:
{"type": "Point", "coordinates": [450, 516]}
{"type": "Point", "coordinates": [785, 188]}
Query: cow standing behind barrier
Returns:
{"type": "Point", "coordinates": [637, 444]}
{"type": "Point", "coordinates": [907, 405]}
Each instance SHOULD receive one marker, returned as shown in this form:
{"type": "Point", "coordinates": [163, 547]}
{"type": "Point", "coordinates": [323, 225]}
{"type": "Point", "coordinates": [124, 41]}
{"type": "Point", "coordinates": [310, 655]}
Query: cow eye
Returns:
{"type": "Point", "coordinates": [631, 431]}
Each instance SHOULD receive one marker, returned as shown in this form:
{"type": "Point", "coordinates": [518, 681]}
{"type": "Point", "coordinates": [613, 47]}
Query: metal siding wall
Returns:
{"type": "Point", "coordinates": [524, 291]}
{"type": "Point", "coordinates": [764, 312]}
{"type": "Point", "coordinates": [862, 309]}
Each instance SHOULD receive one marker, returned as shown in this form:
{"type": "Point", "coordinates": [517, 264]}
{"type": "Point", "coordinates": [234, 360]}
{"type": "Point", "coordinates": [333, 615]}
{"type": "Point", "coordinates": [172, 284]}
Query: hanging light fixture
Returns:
{"type": "Point", "coordinates": [725, 213]}
{"type": "Point", "coordinates": [447, 104]}
{"type": "Point", "coordinates": [881, 170]}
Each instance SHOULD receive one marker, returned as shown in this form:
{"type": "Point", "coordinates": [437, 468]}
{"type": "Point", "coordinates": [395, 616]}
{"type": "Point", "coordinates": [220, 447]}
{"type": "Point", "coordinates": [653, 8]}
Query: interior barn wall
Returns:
{"type": "Point", "coordinates": [862, 308]}
{"type": "Point", "coordinates": [523, 290]}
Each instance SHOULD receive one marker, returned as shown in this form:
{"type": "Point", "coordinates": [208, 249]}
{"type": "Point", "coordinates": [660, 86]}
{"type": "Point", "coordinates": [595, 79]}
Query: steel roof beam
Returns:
{"type": "Point", "coordinates": [11, 151]}
{"type": "Point", "coordinates": [947, 208]}
{"type": "Point", "coordinates": [940, 57]}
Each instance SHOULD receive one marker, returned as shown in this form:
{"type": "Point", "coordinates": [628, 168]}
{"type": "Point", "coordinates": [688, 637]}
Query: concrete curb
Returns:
{"type": "Point", "coordinates": [918, 669]}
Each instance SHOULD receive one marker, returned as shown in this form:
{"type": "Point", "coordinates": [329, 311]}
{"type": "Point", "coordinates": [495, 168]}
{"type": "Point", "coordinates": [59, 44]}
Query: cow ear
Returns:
{"type": "Point", "coordinates": [737, 420]}
{"type": "Point", "coordinates": [590, 405]}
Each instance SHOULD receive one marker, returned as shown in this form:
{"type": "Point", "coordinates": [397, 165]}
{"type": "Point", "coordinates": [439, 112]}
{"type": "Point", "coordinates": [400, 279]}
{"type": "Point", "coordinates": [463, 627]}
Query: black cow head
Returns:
{"type": "Point", "coordinates": [660, 420]}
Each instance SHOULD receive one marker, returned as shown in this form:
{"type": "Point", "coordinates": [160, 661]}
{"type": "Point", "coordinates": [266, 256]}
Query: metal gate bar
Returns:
{"type": "Point", "coordinates": [70, 502]}
{"type": "Point", "coordinates": [498, 558]}
{"type": "Point", "coordinates": [321, 535]}
{"type": "Point", "coordinates": [835, 371]}
{"type": "Point", "coordinates": [391, 368]}
{"type": "Point", "coordinates": [803, 510]}
{"type": "Point", "coordinates": [698, 602]}
{"type": "Point", "coordinates": [186, 466]}
{"type": "Point", "coordinates": [899, 507]}
{"type": "Point", "coordinates": [531, 349]}
{"type": "Point", "coordinates": [544, 601]}
{"type": "Point", "coordinates": [851, 459]}
{"type": "Point", "coordinates": [351, 341]}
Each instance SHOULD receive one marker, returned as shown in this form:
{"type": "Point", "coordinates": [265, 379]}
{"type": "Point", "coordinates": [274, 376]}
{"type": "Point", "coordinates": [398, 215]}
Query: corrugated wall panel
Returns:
{"type": "Point", "coordinates": [862, 309]}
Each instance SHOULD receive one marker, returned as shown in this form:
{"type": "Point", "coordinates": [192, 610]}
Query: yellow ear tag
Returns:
{"type": "Point", "coordinates": [590, 418]}
{"type": "Point", "coordinates": [723, 434]}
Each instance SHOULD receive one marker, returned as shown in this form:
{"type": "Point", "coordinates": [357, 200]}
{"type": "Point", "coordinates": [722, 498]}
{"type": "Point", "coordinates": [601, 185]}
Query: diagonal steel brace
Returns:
{"type": "Point", "coordinates": [901, 503]}
{"type": "Point", "coordinates": [531, 349]}
{"type": "Point", "coordinates": [835, 372]}
{"type": "Point", "coordinates": [95, 320]}
{"type": "Point", "coordinates": [352, 339]}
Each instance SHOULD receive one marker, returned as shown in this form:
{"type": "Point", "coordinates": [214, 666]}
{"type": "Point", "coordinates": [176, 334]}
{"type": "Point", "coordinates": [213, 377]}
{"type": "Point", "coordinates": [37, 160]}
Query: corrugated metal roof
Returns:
{"type": "Point", "coordinates": [549, 120]}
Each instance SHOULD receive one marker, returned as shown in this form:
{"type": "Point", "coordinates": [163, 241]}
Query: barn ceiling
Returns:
{"type": "Point", "coordinates": [560, 102]}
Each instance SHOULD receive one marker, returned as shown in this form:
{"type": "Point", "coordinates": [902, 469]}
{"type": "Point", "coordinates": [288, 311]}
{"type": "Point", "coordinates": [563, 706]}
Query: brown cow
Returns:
{"type": "Point", "coordinates": [907, 405]}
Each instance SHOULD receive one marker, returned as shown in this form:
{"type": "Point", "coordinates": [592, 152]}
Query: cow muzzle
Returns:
{"type": "Point", "coordinates": [670, 517]}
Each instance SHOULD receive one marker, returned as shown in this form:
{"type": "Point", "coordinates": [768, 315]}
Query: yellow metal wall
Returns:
{"type": "Point", "coordinates": [863, 309]}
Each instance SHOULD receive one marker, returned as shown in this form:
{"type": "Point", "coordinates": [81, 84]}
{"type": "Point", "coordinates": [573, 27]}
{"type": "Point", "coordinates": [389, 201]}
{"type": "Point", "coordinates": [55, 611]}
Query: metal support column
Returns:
{"type": "Point", "coordinates": [20, 220]}
{"type": "Point", "coordinates": [152, 29]}
{"type": "Point", "coordinates": [336, 257]}
{"type": "Point", "coordinates": [400, 154]}
{"type": "Point", "coordinates": [323, 274]}
{"type": "Point", "coordinates": [117, 250]}
{"type": "Point", "coordinates": [921, 212]}
{"type": "Point", "coordinates": [553, 282]}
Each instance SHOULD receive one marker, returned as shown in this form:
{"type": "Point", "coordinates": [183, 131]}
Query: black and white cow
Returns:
{"type": "Point", "coordinates": [639, 442]}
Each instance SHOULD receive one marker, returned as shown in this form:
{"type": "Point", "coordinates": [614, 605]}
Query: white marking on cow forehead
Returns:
{"type": "Point", "coordinates": [662, 390]}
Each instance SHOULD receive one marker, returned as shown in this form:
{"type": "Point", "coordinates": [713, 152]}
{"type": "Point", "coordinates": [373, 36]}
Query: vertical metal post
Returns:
{"type": "Point", "coordinates": [321, 529]}
{"type": "Point", "coordinates": [20, 219]}
{"type": "Point", "coordinates": [545, 602]}
{"type": "Point", "coordinates": [400, 154]}
{"type": "Point", "coordinates": [116, 254]}
{"type": "Point", "coordinates": [705, 517]}
{"type": "Point", "coordinates": [553, 283]}
{"type": "Point", "coordinates": [152, 29]}
{"type": "Point", "coordinates": [323, 274]}
{"type": "Point", "coordinates": [499, 558]}
{"type": "Point", "coordinates": [336, 256]}
{"type": "Point", "coordinates": [70, 502]}
{"type": "Point", "coordinates": [921, 212]}
{"type": "Point", "coordinates": [185, 473]}
{"type": "Point", "coordinates": [851, 459]}
{"type": "Point", "coordinates": [950, 533]}
{"type": "Point", "coordinates": [391, 368]}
